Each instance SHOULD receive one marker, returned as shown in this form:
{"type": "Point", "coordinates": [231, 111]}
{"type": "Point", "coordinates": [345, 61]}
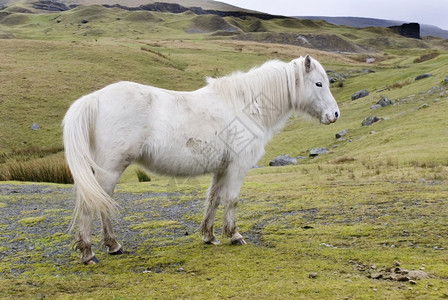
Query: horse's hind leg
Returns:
{"type": "Point", "coordinates": [84, 238]}
{"type": "Point", "coordinates": [108, 182]}
{"type": "Point", "coordinates": [113, 247]}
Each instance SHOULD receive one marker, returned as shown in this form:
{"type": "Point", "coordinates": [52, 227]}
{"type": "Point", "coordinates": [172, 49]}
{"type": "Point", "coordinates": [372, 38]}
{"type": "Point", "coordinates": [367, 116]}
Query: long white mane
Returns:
{"type": "Point", "coordinates": [265, 92]}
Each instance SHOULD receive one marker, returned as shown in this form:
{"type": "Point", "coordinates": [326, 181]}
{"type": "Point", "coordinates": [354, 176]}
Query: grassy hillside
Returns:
{"type": "Point", "coordinates": [337, 224]}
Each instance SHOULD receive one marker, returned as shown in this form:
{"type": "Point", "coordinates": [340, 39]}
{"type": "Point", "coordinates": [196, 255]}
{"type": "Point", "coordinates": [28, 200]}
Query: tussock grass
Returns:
{"type": "Point", "coordinates": [426, 57]}
{"type": "Point", "coordinates": [142, 175]}
{"type": "Point", "coordinates": [48, 169]}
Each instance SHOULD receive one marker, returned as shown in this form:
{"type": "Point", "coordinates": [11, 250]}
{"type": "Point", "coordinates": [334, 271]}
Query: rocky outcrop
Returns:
{"type": "Point", "coordinates": [177, 8]}
{"type": "Point", "coordinates": [410, 30]}
{"type": "Point", "coordinates": [51, 6]}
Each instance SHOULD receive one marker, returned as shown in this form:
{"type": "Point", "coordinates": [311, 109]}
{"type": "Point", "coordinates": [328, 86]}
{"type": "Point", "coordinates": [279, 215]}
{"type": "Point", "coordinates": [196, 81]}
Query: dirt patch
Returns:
{"type": "Point", "coordinates": [394, 273]}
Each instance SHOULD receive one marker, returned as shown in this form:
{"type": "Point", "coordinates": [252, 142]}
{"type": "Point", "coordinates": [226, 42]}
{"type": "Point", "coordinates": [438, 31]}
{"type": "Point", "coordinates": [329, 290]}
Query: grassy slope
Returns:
{"type": "Point", "coordinates": [360, 198]}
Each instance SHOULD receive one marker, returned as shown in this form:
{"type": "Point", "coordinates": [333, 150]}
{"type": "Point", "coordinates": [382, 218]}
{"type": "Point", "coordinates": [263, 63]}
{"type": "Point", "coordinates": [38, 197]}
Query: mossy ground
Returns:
{"type": "Point", "coordinates": [379, 196]}
{"type": "Point", "coordinates": [296, 221]}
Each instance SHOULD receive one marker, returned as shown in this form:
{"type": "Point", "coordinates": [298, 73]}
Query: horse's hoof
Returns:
{"type": "Point", "coordinates": [213, 242]}
{"type": "Point", "coordinates": [239, 241]}
{"type": "Point", "coordinates": [118, 252]}
{"type": "Point", "coordinates": [94, 260]}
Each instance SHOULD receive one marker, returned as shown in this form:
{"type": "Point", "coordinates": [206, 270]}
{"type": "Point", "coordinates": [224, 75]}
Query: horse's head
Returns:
{"type": "Point", "coordinates": [313, 91]}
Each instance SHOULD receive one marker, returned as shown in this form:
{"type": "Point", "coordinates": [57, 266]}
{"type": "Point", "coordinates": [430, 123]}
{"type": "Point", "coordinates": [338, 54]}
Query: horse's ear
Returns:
{"type": "Point", "coordinates": [307, 63]}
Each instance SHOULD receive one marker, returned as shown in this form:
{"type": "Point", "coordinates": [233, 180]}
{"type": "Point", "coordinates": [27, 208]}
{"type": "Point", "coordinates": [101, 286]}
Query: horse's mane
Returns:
{"type": "Point", "coordinates": [265, 92]}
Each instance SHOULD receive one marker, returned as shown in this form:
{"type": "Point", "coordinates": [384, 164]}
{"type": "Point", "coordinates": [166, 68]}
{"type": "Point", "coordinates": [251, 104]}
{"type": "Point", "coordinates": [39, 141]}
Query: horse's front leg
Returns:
{"type": "Point", "coordinates": [225, 187]}
{"type": "Point", "coordinates": [109, 241]}
{"type": "Point", "coordinates": [212, 203]}
{"type": "Point", "coordinates": [229, 226]}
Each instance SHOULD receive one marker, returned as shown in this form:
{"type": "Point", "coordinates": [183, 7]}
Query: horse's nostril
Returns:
{"type": "Point", "coordinates": [336, 114]}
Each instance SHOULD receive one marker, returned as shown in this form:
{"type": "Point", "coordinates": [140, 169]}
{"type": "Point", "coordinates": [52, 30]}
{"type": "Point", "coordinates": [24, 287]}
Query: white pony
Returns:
{"type": "Point", "coordinates": [220, 129]}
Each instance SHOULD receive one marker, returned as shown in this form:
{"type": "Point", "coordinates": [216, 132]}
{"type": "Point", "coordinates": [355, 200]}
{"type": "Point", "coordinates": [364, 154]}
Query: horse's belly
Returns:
{"type": "Point", "coordinates": [194, 157]}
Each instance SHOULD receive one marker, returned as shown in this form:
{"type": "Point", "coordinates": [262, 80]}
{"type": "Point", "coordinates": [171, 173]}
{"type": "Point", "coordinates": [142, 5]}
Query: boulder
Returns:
{"type": "Point", "coordinates": [283, 160]}
{"type": "Point", "coordinates": [370, 120]}
{"type": "Point", "coordinates": [360, 94]}
{"type": "Point", "coordinates": [318, 151]}
{"type": "Point", "coordinates": [422, 76]}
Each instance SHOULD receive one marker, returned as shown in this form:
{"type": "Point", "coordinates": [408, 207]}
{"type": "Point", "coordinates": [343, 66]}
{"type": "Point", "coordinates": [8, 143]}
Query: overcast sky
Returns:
{"type": "Point", "coordinates": [431, 12]}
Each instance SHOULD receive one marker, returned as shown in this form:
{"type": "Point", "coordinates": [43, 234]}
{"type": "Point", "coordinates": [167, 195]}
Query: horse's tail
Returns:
{"type": "Point", "coordinates": [78, 124]}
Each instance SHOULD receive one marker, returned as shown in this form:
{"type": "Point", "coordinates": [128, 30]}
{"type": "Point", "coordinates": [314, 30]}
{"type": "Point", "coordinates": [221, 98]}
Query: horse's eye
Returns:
{"type": "Point", "coordinates": [319, 84]}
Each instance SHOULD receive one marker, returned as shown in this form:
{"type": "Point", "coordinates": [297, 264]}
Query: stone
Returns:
{"type": "Point", "coordinates": [35, 126]}
{"type": "Point", "coordinates": [341, 133]}
{"type": "Point", "coordinates": [283, 160]}
{"type": "Point", "coordinates": [422, 76]}
{"type": "Point", "coordinates": [370, 120]}
{"type": "Point", "coordinates": [446, 78]}
{"type": "Point", "coordinates": [360, 94]}
{"type": "Point", "coordinates": [384, 101]}
{"type": "Point", "coordinates": [318, 151]}
{"type": "Point", "coordinates": [375, 106]}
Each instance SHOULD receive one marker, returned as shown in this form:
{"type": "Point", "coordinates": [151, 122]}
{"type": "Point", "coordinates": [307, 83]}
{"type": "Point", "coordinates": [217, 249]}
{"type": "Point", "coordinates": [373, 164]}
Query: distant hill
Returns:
{"type": "Point", "coordinates": [357, 22]}
{"type": "Point", "coordinates": [204, 4]}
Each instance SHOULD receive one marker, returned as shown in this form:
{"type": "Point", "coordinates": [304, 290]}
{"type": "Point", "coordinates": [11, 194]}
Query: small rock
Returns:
{"type": "Point", "coordinates": [35, 126]}
{"type": "Point", "coordinates": [412, 281]}
{"type": "Point", "coordinates": [283, 160]}
{"type": "Point", "coordinates": [375, 106]}
{"type": "Point", "coordinates": [360, 94]}
{"type": "Point", "coordinates": [418, 274]}
{"type": "Point", "coordinates": [312, 275]}
{"type": "Point", "coordinates": [424, 105]}
{"type": "Point", "coordinates": [422, 76]}
{"type": "Point", "coordinates": [384, 101]}
{"type": "Point", "coordinates": [376, 275]}
{"type": "Point", "coordinates": [341, 133]}
{"type": "Point", "coordinates": [370, 120]}
{"type": "Point", "coordinates": [317, 151]}
{"type": "Point", "coordinates": [446, 78]}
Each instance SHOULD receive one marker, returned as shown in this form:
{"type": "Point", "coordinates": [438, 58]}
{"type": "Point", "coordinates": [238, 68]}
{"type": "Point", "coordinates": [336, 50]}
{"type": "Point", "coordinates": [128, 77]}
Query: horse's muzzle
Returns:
{"type": "Point", "coordinates": [330, 117]}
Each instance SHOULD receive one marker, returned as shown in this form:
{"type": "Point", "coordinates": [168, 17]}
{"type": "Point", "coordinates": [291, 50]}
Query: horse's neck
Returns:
{"type": "Point", "coordinates": [270, 102]}
{"type": "Point", "coordinates": [263, 94]}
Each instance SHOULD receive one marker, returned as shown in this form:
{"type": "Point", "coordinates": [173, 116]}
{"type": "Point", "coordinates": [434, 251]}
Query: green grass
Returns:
{"type": "Point", "coordinates": [368, 203]}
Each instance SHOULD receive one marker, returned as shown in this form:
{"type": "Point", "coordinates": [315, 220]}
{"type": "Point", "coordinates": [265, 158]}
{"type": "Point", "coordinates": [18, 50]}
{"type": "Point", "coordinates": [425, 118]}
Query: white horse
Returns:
{"type": "Point", "coordinates": [220, 129]}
